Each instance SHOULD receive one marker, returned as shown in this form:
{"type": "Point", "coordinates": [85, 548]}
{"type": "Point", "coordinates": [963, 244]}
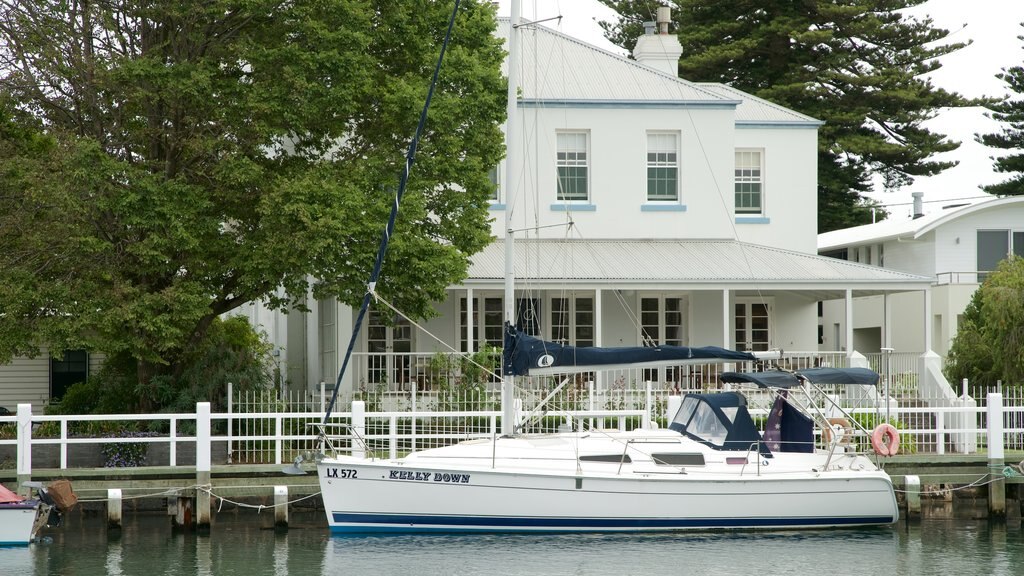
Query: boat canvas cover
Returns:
{"type": "Point", "coordinates": [783, 379]}
{"type": "Point", "coordinates": [527, 355]}
{"type": "Point", "coordinates": [726, 414]}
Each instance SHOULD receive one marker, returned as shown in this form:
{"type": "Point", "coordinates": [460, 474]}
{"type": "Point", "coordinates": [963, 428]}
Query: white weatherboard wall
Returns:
{"type": "Point", "coordinates": [790, 187]}
{"type": "Point", "coordinates": [26, 380]}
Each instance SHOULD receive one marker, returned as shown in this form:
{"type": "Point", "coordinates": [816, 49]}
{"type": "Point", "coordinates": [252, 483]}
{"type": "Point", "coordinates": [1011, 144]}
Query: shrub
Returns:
{"type": "Point", "coordinates": [125, 454]}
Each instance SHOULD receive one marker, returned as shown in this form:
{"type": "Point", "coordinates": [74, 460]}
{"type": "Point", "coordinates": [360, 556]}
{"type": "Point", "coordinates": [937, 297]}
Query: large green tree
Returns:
{"type": "Point", "coordinates": [989, 342]}
{"type": "Point", "coordinates": [858, 65]}
{"type": "Point", "coordinates": [1010, 112]}
{"type": "Point", "coordinates": [164, 161]}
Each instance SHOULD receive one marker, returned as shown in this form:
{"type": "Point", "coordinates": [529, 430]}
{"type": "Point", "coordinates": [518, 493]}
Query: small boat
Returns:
{"type": "Point", "coordinates": [710, 470]}
{"type": "Point", "coordinates": [21, 518]}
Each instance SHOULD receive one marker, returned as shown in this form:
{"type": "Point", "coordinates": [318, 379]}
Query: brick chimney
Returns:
{"type": "Point", "coordinates": [657, 48]}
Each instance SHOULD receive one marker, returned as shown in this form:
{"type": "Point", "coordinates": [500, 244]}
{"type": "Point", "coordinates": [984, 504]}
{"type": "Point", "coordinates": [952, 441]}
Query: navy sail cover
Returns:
{"type": "Point", "coordinates": [525, 355]}
{"type": "Point", "coordinates": [783, 379]}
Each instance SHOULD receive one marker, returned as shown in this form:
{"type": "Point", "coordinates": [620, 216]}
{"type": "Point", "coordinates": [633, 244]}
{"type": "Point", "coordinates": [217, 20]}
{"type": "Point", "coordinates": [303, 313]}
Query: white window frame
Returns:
{"type": "Point", "coordinates": [748, 328]}
{"type": "Point", "coordinates": [481, 315]}
{"type": "Point", "coordinates": [571, 323]}
{"type": "Point", "coordinates": [570, 155]}
{"type": "Point", "coordinates": [663, 154]}
{"type": "Point", "coordinates": [741, 178]}
{"type": "Point", "coordinates": [494, 175]}
{"type": "Point", "coordinates": [663, 324]}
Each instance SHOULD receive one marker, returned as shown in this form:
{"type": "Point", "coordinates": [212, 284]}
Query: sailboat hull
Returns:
{"type": "Point", "coordinates": [364, 496]}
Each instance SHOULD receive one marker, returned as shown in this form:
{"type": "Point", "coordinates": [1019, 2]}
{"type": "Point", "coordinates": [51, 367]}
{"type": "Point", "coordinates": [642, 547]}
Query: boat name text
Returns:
{"type": "Point", "coordinates": [427, 477]}
{"type": "Point", "coordinates": [341, 473]}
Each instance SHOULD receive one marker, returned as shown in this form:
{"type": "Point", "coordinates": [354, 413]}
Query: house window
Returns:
{"type": "Point", "coordinates": [661, 319]}
{"type": "Point", "coordinates": [749, 182]}
{"type": "Point", "coordinates": [494, 175]}
{"type": "Point", "coordinates": [573, 170]}
{"type": "Point", "coordinates": [572, 321]}
{"type": "Point", "coordinates": [69, 368]}
{"type": "Point", "coordinates": [662, 167]}
{"type": "Point", "coordinates": [752, 326]}
{"type": "Point", "coordinates": [489, 332]}
{"type": "Point", "coordinates": [994, 246]}
{"type": "Point", "coordinates": [389, 346]}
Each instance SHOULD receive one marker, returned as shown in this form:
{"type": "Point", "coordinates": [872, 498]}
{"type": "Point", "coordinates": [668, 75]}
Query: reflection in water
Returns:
{"type": "Point", "coordinates": [238, 545]}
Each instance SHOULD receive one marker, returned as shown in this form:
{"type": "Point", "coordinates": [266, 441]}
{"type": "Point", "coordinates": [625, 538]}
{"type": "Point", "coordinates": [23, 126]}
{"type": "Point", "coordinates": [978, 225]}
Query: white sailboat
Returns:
{"type": "Point", "coordinates": [711, 469]}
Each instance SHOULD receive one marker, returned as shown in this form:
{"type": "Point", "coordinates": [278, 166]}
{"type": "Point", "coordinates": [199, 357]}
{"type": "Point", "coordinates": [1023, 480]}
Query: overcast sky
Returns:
{"type": "Point", "coordinates": [992, 25]}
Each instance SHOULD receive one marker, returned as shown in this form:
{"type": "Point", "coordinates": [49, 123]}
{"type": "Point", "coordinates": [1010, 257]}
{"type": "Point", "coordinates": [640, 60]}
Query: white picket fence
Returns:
{"type": "Point", "coordinates": [279, 437]}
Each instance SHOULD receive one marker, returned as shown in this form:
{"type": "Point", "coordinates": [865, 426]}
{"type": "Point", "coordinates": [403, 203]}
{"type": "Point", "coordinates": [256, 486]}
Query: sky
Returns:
{"type": "Point", "coordinates": [992, 27]}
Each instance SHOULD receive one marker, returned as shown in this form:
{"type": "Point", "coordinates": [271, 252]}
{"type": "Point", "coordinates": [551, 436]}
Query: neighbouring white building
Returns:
{"type": "Point", "coordinates": [693, 210]}
{"type": "Point", "coordinates": [954, 246]}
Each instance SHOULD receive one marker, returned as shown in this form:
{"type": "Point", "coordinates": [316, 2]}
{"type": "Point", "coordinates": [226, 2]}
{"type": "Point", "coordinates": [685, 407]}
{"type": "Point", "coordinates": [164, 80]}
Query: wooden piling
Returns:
{"type": "Point", "coordinates": [912, 490]}
{"type": "Point", "coordinates": [182, 517]}
{"type": "Point", "coordinates": [281, 507]}
{"type": "Point", "coordinates": [114, 510]}
{"type": "Point", "coordinates": [203, 462]}
{"type": "Point", "coordinates": [996, 454]}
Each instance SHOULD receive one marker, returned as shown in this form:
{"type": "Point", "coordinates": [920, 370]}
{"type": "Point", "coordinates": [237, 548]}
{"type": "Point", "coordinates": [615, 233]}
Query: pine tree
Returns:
{"type": "Point", "coordinates": [1009, 111]}
{"type": "Point", "coordinates": [858, 65]}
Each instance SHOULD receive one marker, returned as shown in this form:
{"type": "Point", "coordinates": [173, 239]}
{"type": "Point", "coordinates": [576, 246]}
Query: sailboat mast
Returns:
{"type": "Point", "coordinates": [512, 171]}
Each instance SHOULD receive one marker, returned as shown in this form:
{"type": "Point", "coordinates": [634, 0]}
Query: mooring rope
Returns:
{"type": "Point", "coordinates": [975, 484]}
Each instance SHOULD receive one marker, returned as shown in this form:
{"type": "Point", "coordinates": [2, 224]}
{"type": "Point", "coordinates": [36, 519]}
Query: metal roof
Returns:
{"type": "Point", "coordinates": [681, 265]}
{"type": "Point", "coordinates": [754, 110]}
{"type": "Point", "coordinates": [907, 229]}
{"type": "Point", "coordinates": [559, 68]}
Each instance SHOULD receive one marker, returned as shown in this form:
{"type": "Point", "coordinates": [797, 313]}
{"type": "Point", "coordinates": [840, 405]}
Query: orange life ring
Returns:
{"type": "Point", "coordinates": [885, 440]}
{"type": "Point", "coordinates": [844, 438]}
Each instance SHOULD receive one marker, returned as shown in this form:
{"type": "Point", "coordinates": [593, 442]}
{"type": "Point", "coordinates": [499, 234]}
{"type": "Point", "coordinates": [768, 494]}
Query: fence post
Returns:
{"type": "Point", "coordinates": [203, 465]}
{"type": "Point", "coordinates": [231, 401]}
{"type": "Point", "coordinates": [358, 428]}
{"type": "Point", "coordinates": [24, 447]}
{"type": "Point", "coordinates": [647, 407]}
{"type": "Point", "coordinates": [393, 437]}
{"type": "Point", "coordinates": [997, 484]}
{"type": "Point", "coordinates": [172, 456]}
{"type": "Point", "coordinates": [63, 444]}
{"type": "Point", "coordinates": [940, 431]}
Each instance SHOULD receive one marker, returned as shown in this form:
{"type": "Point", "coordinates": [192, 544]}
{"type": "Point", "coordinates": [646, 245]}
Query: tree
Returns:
{"type": "Point", "coordinates": [168, 161]}
{"type": "Point", "coordinates": [1011, 137]}
{"type": "Point", "coordinates": [989, 343]}
{"type": "Point", "coordinates": [858, 65]}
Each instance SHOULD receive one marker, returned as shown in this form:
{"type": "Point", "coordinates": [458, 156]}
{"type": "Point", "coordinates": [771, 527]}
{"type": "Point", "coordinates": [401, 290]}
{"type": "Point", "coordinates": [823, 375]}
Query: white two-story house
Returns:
{"type": "Point", "coordinates": [648, 209]}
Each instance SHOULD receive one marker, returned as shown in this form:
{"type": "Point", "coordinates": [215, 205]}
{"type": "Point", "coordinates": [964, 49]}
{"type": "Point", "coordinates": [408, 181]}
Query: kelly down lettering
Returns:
{"type": "Point", "coordinates": [428, 477]}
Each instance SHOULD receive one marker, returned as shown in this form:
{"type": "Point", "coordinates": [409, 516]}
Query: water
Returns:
{"type": "Point", "coordinates": [238, 546]}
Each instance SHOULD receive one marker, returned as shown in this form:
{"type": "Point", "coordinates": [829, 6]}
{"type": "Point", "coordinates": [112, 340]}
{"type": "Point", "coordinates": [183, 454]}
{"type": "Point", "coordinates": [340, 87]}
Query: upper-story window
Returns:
{"type": "Point", "coordinates": [749, 182]}
{"type": "Point", "coordinates": [494, 175]}
{"type": "Point", "coordinates": [995, 245]}
{"type": "Point", "coordinates": [573, 167]}
{"type": "Point", "coordinates": [662, 167]}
